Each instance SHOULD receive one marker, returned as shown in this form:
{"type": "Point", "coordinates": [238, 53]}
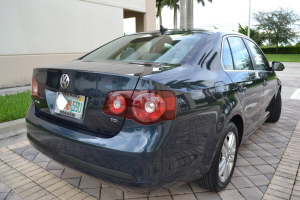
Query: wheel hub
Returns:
{"type": "Point", "coordinates": [227, 156]}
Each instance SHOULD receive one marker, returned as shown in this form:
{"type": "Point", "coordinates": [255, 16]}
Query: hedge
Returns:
{"type": "Point", "coordinates": [281, 50]}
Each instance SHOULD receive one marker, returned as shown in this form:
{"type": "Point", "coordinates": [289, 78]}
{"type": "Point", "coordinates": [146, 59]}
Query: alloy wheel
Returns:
{"type": "Point", "coordinates": [227, 156]}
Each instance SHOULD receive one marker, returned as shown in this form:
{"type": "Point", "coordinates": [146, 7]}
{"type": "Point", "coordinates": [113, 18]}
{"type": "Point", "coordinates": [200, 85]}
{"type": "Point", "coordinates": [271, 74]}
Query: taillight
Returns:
{"type": "Point", "coordinates": [35, 88]}
{"type": "Point", "coordinates": [144, 107]}
{"type": "Point", "coordinates": [148, 107]}
{"type": "Point", "coordinates": [116, 103]}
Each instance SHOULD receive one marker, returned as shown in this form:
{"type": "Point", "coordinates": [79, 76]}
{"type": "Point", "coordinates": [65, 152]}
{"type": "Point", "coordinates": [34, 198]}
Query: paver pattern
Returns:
{"type": "Point", "coordinates": [267, 168]}
{"type": "Point", "coordinates": [285, 182]}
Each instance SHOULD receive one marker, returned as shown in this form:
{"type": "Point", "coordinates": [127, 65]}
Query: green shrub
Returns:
{"type": "Point", "coordinates": [282, 50]}
{"type": "Point", "coordinates": [283, 57]}
{"type": "Point", "coordinates": [14, 106]}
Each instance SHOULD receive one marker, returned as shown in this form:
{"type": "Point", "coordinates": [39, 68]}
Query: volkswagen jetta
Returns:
{"type": "Point", "coordinates": [154, 110]}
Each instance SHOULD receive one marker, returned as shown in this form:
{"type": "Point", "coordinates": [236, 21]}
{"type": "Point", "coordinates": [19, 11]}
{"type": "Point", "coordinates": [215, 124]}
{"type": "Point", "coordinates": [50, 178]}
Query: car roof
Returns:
{"type": "Point", "coordinates": [204, 31]}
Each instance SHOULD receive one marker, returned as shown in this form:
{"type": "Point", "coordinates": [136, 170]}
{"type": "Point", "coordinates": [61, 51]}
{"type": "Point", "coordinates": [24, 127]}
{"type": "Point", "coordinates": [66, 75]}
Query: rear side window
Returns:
{"type": "Point", "coordinates": [241, 57]}
{"type": "Point", "coordinates": [259, 58]}
{"type": "Point", "coordinates": [226, 56]}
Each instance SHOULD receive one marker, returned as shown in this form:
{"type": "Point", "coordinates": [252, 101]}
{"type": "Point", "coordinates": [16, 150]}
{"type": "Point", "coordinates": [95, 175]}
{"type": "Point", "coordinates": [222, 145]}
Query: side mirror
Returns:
{"type": "Point", "coordinates": [277, 66]}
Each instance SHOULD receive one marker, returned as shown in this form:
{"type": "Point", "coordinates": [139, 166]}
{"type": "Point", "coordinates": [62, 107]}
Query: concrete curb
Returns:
{"type": "Point", "coordinates": [14, 90]}
{"type": "Point", "coordinates": [12, 128]}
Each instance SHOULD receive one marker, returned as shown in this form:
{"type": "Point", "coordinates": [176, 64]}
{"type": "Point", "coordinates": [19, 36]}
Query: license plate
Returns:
{"type": "Point", "coordinates": [69, 104]}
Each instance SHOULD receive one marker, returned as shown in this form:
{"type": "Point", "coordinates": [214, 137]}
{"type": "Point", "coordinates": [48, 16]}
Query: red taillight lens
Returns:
{"type": "Point", "coordinates": [35, 88]}
{"type": "Point", "coordinates": [145, 107]}
{"type": "Point", "coordinates": [148, 107]}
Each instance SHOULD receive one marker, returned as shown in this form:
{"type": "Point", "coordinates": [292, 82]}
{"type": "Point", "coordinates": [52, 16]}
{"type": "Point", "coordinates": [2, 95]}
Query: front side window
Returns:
{"type": "Point", "coordinates": [259, 58]}
{"type": "Point", "coordinates": [241, 57]}
{"type": "Point", "coordinates": [171, 48]}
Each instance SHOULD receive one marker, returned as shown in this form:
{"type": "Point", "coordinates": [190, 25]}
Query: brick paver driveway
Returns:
{"type": "Point", "coordinates": [267, 168]}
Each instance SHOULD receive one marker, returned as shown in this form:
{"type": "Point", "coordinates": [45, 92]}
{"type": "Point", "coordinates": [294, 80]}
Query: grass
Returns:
{"type": "Point", "coordinates": [283, 57]}
{"type": "Point", "coordinates": [14, 106]}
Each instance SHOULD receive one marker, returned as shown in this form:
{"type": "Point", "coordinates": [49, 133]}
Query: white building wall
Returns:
{"type": "Point", "coordinates": [134, 5]}
{"type": "Point", "coordinates": [56, 26]}
{"type": "Point", "coordinates": [36, 33]}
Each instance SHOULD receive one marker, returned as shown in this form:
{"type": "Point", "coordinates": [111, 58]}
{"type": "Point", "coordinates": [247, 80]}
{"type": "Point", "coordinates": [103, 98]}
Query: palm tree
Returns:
{"type": "Point", "coordinates": [190, 12]}
{"type": "Point", "coordinates": [186, 11]}
{"type": "Point", "coordinates": [203, 3]}
{"type": "Point", "coordinates": [173, 4]}
{"type": "Point", "coordinates": [159, 6]}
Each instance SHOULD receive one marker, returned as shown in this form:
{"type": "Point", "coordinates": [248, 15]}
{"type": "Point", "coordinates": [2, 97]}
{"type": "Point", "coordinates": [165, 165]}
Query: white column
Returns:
{"type": "Point", "coordinates": [189, 14]}
{"type": "Point", "coordinates": [182, 8]}
{"type": "Point", "coordinates": [249, 18]}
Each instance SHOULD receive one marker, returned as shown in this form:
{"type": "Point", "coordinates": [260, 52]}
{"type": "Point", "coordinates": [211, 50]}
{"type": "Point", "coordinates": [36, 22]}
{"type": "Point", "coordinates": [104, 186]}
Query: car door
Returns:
{"type": "Point", "coordinates": [247, 81]}
{"type": "Point", "coordinates": [268, 77]}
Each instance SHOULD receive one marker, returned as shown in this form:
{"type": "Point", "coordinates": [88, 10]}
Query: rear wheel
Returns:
{"type": "Point", "coordinates": [276, 111]}
{"type": "Point", "coordinates": [219, 175]}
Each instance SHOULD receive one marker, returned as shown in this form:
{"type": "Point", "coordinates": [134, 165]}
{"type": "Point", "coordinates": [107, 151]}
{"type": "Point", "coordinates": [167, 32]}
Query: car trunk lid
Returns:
{"type": "Point", "coordinates": [90, 87]}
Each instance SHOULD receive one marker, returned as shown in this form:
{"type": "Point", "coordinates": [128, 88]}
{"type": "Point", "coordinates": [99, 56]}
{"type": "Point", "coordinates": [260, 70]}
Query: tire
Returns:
{"type": "Point", "coordinates": [212, 180]}
{"type": "Point", "coordinates": [275, 112]}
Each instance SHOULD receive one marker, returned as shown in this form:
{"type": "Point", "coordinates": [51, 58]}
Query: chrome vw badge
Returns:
{"type": "Point", "coordinates": [64, 81]}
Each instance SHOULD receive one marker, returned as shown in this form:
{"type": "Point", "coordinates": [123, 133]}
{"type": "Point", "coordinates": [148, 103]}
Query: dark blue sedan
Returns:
{"type": "Point", "coordinates": [154, 110]}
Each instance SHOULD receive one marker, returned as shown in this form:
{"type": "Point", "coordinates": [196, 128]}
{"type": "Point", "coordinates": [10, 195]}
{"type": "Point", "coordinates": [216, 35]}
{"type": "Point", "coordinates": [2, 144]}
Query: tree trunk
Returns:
{"type": "Point", "coordinates": [175, 15]}
{"type": "Point", "coordinates": [277, 48]}
{"type": "Point", "coordinates": [189, 14]}
{"type": "Point", "coordinates": [182, 14]}
{"type": "Point", "coordinates": [160, 19]}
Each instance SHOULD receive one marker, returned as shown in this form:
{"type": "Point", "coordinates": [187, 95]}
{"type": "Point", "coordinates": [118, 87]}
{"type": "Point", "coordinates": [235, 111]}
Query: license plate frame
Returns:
{"type": "Point", "coordinates": [74, 107]}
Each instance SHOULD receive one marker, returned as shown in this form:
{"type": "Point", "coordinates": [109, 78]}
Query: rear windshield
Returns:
{"type": "Point", "coordinates": [171, 48]}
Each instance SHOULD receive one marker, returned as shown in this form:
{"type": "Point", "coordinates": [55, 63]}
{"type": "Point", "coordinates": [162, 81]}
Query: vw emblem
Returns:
{"type": "Point", "coordinates": [64, 81]}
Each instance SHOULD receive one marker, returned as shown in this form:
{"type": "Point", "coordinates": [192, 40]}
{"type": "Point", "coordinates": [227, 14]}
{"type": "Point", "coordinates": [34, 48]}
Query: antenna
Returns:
{"type": "Point", "coordinates": [163, 30]}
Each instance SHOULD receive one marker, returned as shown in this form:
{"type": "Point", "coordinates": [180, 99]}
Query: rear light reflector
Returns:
{"type": "Point", "coordinates": [35, 88]}
{"type": "Point", "coordinates": [117, 103]}
{"type": "Point", "coordinates": [144, 107]}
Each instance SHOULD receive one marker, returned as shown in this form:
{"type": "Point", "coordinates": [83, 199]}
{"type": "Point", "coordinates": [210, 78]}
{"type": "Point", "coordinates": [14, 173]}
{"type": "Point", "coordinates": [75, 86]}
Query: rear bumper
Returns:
{"type": "Point", "coordinates": [56, 155]}
{"type": "Point", "coordinates": [140, 158]}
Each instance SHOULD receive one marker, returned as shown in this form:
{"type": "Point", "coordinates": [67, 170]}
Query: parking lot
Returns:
{"type": "Point", "coordinates": [267, 165]}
